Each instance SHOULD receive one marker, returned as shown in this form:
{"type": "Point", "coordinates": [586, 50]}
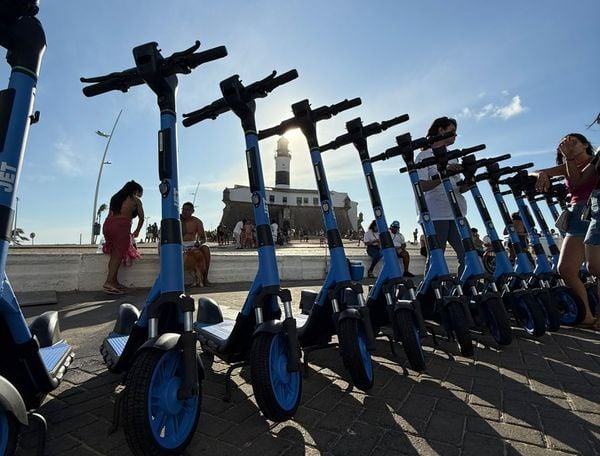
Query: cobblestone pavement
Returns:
{"type": "Point", "coordinates": [535, 397]}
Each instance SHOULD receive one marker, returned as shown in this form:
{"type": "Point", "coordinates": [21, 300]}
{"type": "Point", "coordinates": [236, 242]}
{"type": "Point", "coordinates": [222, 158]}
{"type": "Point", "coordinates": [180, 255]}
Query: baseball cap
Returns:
{"type": "Point", "coordinates": [395, 224]}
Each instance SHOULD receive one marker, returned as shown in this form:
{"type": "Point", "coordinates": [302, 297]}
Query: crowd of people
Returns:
{"type": "Point", "coordinates": [575, 161]}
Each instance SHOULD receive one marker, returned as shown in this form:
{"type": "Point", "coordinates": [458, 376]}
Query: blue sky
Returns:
{"type": "Point", "coordinates": [517, 75]}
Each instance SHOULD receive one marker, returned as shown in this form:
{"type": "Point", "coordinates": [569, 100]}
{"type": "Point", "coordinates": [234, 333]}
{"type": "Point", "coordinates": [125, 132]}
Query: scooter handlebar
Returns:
{"type": "Point", "coordinates": [182, 62]}
{"type": "Point", "coordinates": [258, 89]}
{"type": "Point", "coordinates": [366, 131]}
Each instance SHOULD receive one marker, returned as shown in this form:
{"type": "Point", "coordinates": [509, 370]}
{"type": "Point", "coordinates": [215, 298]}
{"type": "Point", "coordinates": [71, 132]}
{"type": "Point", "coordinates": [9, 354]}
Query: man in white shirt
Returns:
{"type": "Point", "coordinates": [435, 195]}
{"type": "Point", "coordinates": [400, 245]}
{"type": "Point", "coordinates": [237, 233]}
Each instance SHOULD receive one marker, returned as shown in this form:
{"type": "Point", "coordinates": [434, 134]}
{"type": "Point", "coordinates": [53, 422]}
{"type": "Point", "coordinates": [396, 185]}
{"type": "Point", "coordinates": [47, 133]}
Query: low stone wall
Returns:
{"type": "Point", "coordinates": [87, 271]}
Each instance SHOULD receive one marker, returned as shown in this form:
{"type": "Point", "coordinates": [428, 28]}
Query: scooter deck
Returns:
{"type": "Point", "coordinates": [57, 358]}
{"type": "Point", "coordinates": [214, 333]}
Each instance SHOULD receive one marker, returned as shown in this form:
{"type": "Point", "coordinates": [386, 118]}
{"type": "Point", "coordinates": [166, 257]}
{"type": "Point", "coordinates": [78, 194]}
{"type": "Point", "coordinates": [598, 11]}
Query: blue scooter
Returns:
{"type": "Point", "coordinates": [398, 319]}
{"type": "Point", "coordinates": [34, 358]}
{"type": "Point", "coordinates": [542, 273]}
{"type": "Point", "coordinates": [156, 348]}
{"type": "Point", "coordinates": [571, 308]}
{"type": "Point", "coordinates": [339, 307]}
{"type": "Point", "coordinates": [440, 294]}
{"type": "Point", "coordinates": [257, 337]}
{"type": "Point", "coordinates": [516, 293]}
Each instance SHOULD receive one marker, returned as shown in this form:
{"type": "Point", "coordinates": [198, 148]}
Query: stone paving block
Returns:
{"type": "Point", "coordinates": [326, 400]}
{"type": "Point", "coordinates": [340, 418]}
{"type": "Point", "coordinates": [585, 404]}
{"type": "Point", "coordinates": [446, 427]}
{"type": "Point", "coordinates": [520, 413]}
{"type": "Point", "coordinates": [479, 444]}
{"type": "Point", "coordinates": [522, 449]}
{"type": "Point", "coordinates": [417, 405]}
{"type": "Point", "coordinates": [569, 437]}
{"type": "Point", "coordinates": [486, 395]}
{"type": "Point", "coordinates": [358, 440]}
{"type": "Point", "coordinates": [266, 444]}
{"type": "Point", "coordinates": [96, 436]}
{"type": "Point", "coordinates": [547, 388]}
{"type": "Point", "coordinates": [377, 412]}
{"type": "Point", "coordinates": [506, 431]}
{"type": "Point", "coordinates": [213, 426]}
{"type": "Point", "coordinates": [397, 443]}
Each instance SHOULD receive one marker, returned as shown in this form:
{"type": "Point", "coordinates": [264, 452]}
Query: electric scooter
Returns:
{"type": "Point", "coordinates": [398, 319]}
{"type": "Point", "coordinates": [339, 307]}
{"type": "Point", "coordinates": [160, 404]}
{"type": "Point", "coordinates": [34, 357]}
{"type": "Point", "coordinates": [516, 293]}
{"type": "Point", "coordinates": [256, 337]}
{"type": "Point", "coordinates": [571, 308]}
{"type": "Point", "coordinates": [440, 294]}
{"type": "Point", "coordinates": [542, 273]}
{"type": "Point", "coordinates": [484, 300]}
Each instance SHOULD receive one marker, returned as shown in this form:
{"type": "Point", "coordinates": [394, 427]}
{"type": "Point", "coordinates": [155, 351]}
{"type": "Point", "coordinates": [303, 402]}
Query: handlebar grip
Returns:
{"type": "Point", "coordinates": [122, 84]}
{"type": "Point", "coordinates": [278, 129]}
{"type": "Point", "coordinates": [281, 80]}
{"type": "Point", "coordinates": [470, 150]}
{"type": "Point", "coordinates": [395, 121]}
{"type": "Point", "coordinates": [207, 56]}
{"type": "Point", "coordinates": [212, 111]}
{"type": "Point", "coordinates": [344, 105]}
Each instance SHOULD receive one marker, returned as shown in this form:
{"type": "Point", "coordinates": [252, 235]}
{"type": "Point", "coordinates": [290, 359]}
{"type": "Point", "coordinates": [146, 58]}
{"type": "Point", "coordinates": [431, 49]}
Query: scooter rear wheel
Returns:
{"type": "Point", "coordinates": [550, 308]}
{"type": "Point", "coordinates": [357, 359]}
{"type": "Point", "coordinates": [155, 422]}
{"type": "Point", "coordinates": [410, 339]}
{"type": "Point", "coordinates": [571, 309]}
{"type": "Point", "coordinates": [529, 314]}
{"type": "Point", "coordinates": [9, 432]}
{"type": "Point", "coordinates": [277, 391]}
{"type": "Point", "coordinates": [497, 319]}
{"type": "Point", "coordinates": [458, 325]}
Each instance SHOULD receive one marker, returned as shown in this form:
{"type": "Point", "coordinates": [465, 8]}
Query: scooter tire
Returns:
{"type": "Point", "coordinates": [458, 325]}
{"type": "Point", "coordinates": [497, 320]}
{"type": "Point", "coordinates": [150, 381]}
{"type": "Point", "coordinates": [572, 309]}
{"type": "Point", "coordinates": [356, 357]}
{"type": "Point", "coordinates": [529, 314]}
{"type": "Point", "coordinates": [410, 339]}
{"type": "Point", "coordinates": [9, 432]}
{"type": "Point", "coordinates": [550, 308]}
{"type": "Point", "coordinates": [277, 391]}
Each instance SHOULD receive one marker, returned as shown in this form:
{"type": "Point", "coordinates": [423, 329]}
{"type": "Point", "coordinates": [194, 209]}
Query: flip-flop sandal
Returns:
{"type": "Point", "coordinates": [113, 291]}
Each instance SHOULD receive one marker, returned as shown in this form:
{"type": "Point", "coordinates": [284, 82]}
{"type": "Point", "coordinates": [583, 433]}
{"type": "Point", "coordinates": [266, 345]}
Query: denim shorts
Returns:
{"type": "Point", "coordinates": [577, 227]}
{"type": "Point", "coordinates": [593, 233]}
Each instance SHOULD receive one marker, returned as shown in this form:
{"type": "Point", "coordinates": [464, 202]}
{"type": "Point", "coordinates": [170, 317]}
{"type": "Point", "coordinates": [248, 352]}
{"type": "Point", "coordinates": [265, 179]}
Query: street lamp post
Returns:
{"type": "Point", "coordinates": [102, 163]}
{"type": "Point", "coordinates": [195, 193]}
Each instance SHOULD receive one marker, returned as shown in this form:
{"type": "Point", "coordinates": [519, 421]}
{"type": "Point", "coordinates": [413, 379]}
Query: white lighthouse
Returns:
{"type": "Point", "coordinates": [282, 164]}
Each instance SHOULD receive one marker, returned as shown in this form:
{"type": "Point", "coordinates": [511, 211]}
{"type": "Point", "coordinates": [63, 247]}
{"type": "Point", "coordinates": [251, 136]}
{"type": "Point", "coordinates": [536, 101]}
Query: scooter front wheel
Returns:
{"type": "Point", "coordinates": [155, 421]}
{"type": "Point", "coordinates": [571, 309]}
{"type": "Point", "coordinates": [529, 314]}
{"type": "Point", "coordinates": [457, 321]}
{"type": "Point", "coordinates": [9, 432]}
{"type": "Point", "coordinates": [497, 320]}
{"type": "Point", "coordinates": [550, 308]}
{"type": "Point", "coordinates": [357, 359]}
{"type": "Point", "coordinates": [410, 339]}
{"type": "Point", "coordinates": [276, 389]}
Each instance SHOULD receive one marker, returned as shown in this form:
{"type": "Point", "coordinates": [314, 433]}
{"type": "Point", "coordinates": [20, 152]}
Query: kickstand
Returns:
{"type": "Point", "coordinates": [230, 369]}
{"type": "Point", "coordinates": [392, 347]}
{"type": "Point", "coordinates": [116, 413]}
{"type": "Point", "coordinates": [436, 344]}
{"type": "Point", "coordinates": [404, 369]}
{"type": "Point", "coordinates": [41, 421]}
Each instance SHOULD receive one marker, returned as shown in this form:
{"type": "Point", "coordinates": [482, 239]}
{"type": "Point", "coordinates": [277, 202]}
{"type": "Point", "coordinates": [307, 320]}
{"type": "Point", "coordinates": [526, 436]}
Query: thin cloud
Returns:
{"type": "Point", "coordinates": [503, 110]}
{"type": "Point", "coordinates": [67, 161]}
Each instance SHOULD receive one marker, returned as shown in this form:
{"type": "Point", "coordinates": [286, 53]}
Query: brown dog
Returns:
{"type": "Point", "coordinates": [196, 261]}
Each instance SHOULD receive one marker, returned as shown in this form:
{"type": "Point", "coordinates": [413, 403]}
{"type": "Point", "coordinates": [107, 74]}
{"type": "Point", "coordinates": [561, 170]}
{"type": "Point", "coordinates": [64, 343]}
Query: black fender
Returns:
{"type": "Point", "coordinates": [351, 312]}
{"type": "Point", "coordinates": [11, 401]}
{"type": "Point", "coordinates": [46, 328]}
{"type": "Point", "coordinates": [171, 341]}
{"type": "Point", "coordinates": [270, 326]}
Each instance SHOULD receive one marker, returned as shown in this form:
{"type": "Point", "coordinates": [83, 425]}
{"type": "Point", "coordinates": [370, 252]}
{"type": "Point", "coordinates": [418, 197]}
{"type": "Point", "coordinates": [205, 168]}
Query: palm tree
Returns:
{"type": "Point", "coordinates": [18, 236]}
{"type": "Point", "coordinates": [101, 209]}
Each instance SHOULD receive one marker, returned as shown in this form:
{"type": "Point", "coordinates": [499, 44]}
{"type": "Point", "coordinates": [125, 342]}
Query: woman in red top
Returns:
{"type": "Point", "coordinates": [125, 205]}
{"type": "Point", "coordinates": [574, 153]}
